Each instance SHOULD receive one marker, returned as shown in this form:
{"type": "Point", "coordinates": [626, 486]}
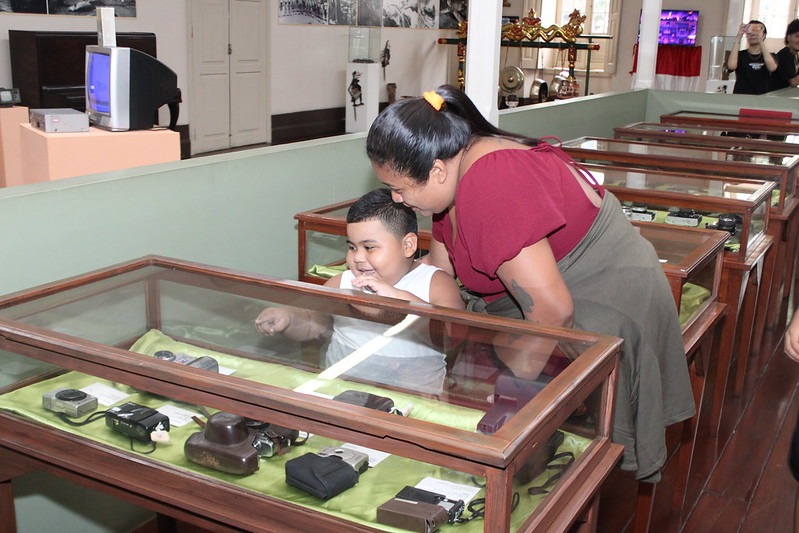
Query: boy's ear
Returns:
{"type": "Point", "coordinates": [410, 242]}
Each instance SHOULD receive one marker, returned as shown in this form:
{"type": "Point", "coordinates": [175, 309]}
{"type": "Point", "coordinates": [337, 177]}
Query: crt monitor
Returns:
{"type": "Point", "coordinates": [126, 87]}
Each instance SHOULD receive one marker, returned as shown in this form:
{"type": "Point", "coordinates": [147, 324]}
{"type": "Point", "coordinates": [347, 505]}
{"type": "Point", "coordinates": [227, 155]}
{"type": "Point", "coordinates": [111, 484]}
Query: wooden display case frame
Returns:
{"type": "Point", "coordinates": [205, 502]}
{"type": "Point", "coordinates": [766, 121]}
{"type": "Point", "coordinates": [779, 269]}
{"type": "Point", "coordinates": [759, 140]}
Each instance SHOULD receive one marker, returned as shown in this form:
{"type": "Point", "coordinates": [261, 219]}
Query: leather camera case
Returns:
{"type": "Point", "coordinates": [225, 445]}
{"type": "Point", "coordinates": [323, 477]}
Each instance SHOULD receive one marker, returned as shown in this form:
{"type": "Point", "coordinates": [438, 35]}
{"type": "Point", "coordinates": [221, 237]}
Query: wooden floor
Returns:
{"type": "Point", "coordinates": [740, 479]}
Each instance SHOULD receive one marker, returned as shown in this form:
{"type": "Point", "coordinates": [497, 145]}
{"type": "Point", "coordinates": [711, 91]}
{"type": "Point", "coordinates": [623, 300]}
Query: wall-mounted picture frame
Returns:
{"type": "Point", "coordinates": [86, 8]}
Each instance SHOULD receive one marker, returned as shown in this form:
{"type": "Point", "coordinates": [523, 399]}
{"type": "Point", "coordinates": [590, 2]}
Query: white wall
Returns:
{"type": "Point", "coordinates": [167, 19]}
{"type": "Point", "coordinates": [308, 63]}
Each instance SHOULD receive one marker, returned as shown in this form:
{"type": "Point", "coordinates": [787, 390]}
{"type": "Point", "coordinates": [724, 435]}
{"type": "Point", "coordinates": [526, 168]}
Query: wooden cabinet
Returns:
{"type": "Point", "coordinates": [101, 332]}
{"type": "Point", "coordinates": [48, 67]}
{"type": "Point", "coordinates": [694, 200]}
{"type": "Point", "coordinates": [779, 168]}
{"type": "Point", "coordinates": [778, 122]}
{"type": "Point", "coordinates": [730, 136]}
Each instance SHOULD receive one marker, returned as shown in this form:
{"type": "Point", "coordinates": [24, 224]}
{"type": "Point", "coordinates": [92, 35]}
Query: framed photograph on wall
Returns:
{"type": "Point", "coordinates": [122, 8]}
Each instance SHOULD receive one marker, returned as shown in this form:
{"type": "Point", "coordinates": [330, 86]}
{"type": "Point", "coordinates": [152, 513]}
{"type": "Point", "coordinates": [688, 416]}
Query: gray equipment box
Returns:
{"type": "Point", "coordinates": [59, 120]}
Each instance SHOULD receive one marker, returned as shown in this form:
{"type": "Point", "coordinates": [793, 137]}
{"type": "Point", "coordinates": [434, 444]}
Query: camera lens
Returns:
{"type": "Point", "coordinates": [165, 355]}
{"type": "Point", "coordinates": [70, 395]}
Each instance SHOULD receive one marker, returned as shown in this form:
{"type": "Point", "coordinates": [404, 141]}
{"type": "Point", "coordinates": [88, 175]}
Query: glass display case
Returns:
{"type": "Point", "coordinates": [683, 256]}
{"type": "Point", "coordinates": [721, 136]}
{"type": "Point", "coordinates": [322, 245]}
{"type": "Point", "coordinates": [691, 259]}
{"type": "Point", "coordinates": [779, 168]}
{"type": "Point", "coordinates": [365, 45]}
{"type": "Point", "coordinates": [780, 122]}
{"type": "Point", "coordinates": [738, 206]}
{"type": "Point", "coordinates": [150, 380]}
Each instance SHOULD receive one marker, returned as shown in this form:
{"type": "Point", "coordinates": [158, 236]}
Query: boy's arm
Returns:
{"type": "Point", "coordinates": [296, 324]}
{"type": "Point", "coordinates": [444, 291]}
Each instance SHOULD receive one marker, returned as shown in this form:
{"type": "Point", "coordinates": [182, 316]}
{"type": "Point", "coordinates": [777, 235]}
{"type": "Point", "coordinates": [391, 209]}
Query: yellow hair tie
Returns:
{"type": "Point", "coordinates": [434, 99]}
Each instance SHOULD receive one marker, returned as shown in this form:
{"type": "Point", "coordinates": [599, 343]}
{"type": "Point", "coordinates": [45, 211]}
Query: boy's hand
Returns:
{"type": "Point", "coordinates": [368, 283]}
{"type": "Point", "coordinates": [792, 338]}
{"type": "Point", "coordinates": [272, 320]}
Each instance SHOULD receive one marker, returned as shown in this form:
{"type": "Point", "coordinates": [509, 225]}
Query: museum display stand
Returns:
{"type": "Point", "coordinates": [106, 333]}
{"type": "Point", "coordinates": [708, 201]}
{"type": "Point", "coordinates": [774, 167]}
{"type": "Point", "coordinates": [718, 136]}
{"type": "Point", "coordinates": [11, 167]}
{"type": "Point", "coordinates": [51, 156]}
{"type": "Point", "coordinates": [692, 262]}
{"type": "Point", "coordinates": [779, 122]}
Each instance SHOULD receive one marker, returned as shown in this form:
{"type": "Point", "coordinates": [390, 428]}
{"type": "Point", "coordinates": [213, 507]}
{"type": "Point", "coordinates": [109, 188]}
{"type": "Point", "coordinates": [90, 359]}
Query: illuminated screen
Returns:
{"type": "Point", "coordinates": [99, 86]}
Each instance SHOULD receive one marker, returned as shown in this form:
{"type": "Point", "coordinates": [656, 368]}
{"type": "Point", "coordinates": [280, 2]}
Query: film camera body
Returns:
{"type": "Point", "coordinates": [136, 421]}
{"type": "Point", "coordinates": [72, 402]}
{"type": "Point", "coordinates": [205, 362]}
{"type": "Point", "coordinates": [230, 443]}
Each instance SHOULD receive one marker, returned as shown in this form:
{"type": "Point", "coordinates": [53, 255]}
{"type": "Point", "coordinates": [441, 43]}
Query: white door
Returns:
{"type": "Point", "coordinates": [229, 93]}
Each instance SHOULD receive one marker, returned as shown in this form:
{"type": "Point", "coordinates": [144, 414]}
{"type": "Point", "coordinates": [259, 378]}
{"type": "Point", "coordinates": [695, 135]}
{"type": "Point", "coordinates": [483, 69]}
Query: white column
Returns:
{"type": "Point", "coordinates": [482, 56]}
{"type": "Point", "coordinates": [648, 45]}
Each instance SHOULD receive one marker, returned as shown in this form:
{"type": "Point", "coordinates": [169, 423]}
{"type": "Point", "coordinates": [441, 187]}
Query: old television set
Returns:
{"type": "Point", "coordinates": [125, 88]}
{"type": "Point", "coordinates": [678, 27]}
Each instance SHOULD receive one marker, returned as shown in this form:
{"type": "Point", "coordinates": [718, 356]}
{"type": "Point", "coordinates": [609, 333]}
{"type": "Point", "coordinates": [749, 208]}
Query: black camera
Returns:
{"type": "Point", "coordinates": [454, 508]}
{"type": "Point", "coordinates": [204, 362]}
{"type": "Point", "coordinates": [726, 222]}
{"type": "Point", "coordinates": [72, 402]}
{"type": "Point", "coordinates": [271, 439]}
{"type": "Point", "coordinates": [136, 421]}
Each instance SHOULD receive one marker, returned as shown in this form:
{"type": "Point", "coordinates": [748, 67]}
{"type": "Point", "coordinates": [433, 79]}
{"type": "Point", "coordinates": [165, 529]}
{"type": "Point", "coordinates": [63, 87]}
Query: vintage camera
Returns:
{"type": "Point", "coordinates": [271, 439]}
{"type": "Point", "coordinates": [726, 222]}
{"type": "Point", "coordinates": [136, 421]}
{"type": "Point", "coordinates": [204, 362]}
{"type": "Point", "coordinates": [640, 213]}
{"type": "Point", "coordinates": [327, 473]}
{"type": "Point", "coordinates": [366, 399]}
{"type": "Point", "coordinates": [359, 461]}
{"type": "Point", "coordinates": [72, 402]}
{"type": "Point", "coordinates": [225, 444]}
{"type": "Point", "coordinates": [454, 508]}
{"type": "Point", "coordinates": [510, 395]}
{"type": "Point", "coordinates": [684, 217]}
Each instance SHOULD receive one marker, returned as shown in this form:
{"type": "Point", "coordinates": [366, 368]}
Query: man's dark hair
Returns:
{"type": "Point", "coordinates": [398, 218]}
{"type": "Point", "coordinates": [793, 27]}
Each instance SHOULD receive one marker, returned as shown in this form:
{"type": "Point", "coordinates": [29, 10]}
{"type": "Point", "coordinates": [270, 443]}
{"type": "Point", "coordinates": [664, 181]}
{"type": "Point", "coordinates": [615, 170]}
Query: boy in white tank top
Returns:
{"type": "Point", "coordinates": [382, 241]}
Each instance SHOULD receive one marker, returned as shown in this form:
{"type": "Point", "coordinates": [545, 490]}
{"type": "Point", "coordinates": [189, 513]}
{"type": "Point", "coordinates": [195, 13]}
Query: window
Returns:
{"type": "Point", "coordinates": [775, 14]}
{"type": "Point", "coordinates": [602, 18]}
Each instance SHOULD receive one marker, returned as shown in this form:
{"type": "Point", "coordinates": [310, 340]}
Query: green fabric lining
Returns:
{"type": "Point", "coordinates": [357, 504]}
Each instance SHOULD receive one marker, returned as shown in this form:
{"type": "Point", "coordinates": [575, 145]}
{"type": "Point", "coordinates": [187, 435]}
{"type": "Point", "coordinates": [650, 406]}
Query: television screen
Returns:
{"type": "Point", "coordinates": [98, 77]}
{"type": "Point", "coordinates": [126, 87]}
{"type": "Point", "coordinates": [678, 27]}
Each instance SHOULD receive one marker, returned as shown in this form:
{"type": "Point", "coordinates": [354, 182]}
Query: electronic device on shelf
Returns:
{"type": "Point", "coordinates": [126, 87]}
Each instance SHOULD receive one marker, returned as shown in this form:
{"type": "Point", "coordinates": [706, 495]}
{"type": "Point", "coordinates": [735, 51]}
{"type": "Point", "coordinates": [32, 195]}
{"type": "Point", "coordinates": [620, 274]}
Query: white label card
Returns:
{"type": "Point", "coordinates": [375, 456]}
{"type": "Point", "coordinates": [178, 416]}
{"type": "Point", "coordinates": [453, 491]}
{"type": "Point", "coordinates": [105, 395]}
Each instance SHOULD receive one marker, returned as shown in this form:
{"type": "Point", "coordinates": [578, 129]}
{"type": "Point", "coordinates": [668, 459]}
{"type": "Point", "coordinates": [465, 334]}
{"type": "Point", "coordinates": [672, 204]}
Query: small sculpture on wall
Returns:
{"type": "Point", "coordinates": [385, 58]}
{"type": "Point", "coordinates": [356, 94]}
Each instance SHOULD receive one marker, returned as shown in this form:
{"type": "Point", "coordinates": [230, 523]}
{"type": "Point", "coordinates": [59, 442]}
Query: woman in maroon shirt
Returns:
{"type": "Point", "coordinates": [532, 236]}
